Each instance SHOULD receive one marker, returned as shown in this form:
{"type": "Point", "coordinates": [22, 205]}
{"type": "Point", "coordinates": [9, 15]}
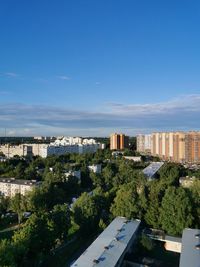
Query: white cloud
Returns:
{"type": "Point", "coordinates": [182, 113]}
{"type": "Point", "coordinates": [63, 77]}
{"type": "Point", "coordinates": [9, 74]}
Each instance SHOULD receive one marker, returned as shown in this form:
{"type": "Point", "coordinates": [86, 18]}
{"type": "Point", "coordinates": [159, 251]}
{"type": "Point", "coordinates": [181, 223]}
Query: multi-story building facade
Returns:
{"type": "Point", "coordinates": [61, 146]}
{"type": "Point", "coordinates": [119, 141]}
{"type": "Point", "coordinates": [144, 143]}
{"type": "Point", "coordinates": [9, 187]}
{"type": "Point", "coordinates": [177, 146]}
{"type": "Point", "coordinates": [11, 150]}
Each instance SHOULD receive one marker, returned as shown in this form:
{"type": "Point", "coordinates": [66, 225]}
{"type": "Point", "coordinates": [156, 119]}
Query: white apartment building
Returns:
{"type": "Point", "coordinates": [70, 145]}
{"type": "Point", "coordinates": [61, 146]}
{"type": "Point", "coordinates": [11, 186]}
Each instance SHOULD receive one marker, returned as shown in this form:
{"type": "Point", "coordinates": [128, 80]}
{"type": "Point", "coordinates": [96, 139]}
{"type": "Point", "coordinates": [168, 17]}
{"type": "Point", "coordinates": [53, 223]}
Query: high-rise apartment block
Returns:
{"type": "Point", "coordinates": [176, 146]}
{"type": "Point", "coordinates": [144, 143]}
{"type": "Point", "coordinates": [119, 141]}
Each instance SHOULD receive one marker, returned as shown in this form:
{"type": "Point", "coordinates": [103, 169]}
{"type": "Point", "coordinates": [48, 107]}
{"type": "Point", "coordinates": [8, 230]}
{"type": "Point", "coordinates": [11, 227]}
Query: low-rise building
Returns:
{"type": "Point", "coordinates": [135, 159]}
{"type": "Point", "coordinates": [76, 174]}
{"type": "Point", "coordinates": [96, 168]}
{"type": "Point", "coordinates": [187, 181]}
{"type": "Point", "coordinates": [151, 170]}
{"type": "Point", "coordinates": [190, 252]}
{"type": "Point", "coordinates": [109, 249]}
{"type": "Point", "coordinates": [11, 186]}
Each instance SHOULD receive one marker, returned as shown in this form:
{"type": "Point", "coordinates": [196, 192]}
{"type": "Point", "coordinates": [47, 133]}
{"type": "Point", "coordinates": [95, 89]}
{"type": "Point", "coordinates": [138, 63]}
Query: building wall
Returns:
{"type": "Point", "coordinates": [144, 143]}
{"type": "Point", "coordinates": [177, 146]}
{"type": "Point", "coordinates": [119, 141]}
{"type": "Point", "coordinates": [10, 189]}
{"type": "Point", "coordinates": [21, 150]}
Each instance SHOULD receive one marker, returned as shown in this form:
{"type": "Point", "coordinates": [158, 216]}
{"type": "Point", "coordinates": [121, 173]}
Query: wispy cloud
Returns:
{"type": "Point", "coordinates": [182, 113]}
{"type": "Point", "coordinates": [9, 74]}
{"type": "Point", "coordinates": [64, 77]}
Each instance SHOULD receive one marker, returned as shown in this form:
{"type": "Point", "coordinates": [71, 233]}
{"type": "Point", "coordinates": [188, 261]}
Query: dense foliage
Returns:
{"type": "Point", "coordinates": [119, 190]}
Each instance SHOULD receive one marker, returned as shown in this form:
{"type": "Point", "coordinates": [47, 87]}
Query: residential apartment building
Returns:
{"type": "Point", "coordinates": [61, 146]}
{"type": "Point", "coordinates": [176, 146]}
{"type": "Point", "coordinates": [111, 246]}
{"type": "Point", "coordinates": [144, 143]}
{"type": "Point", "coordinates": [11, 186]}
{"type": "Point", "coordinates": [119, 141]}
{"type": "Point", "coordinates": [11, 150]}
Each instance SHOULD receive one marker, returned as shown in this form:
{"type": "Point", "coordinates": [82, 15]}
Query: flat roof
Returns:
{"type": "Point", "coordinates": [190, 254]}
{"type": "Point", "coordinates": [152, 169]}
{"type": "Point", "coordinates": [173, 239]}
{"type": "Point", "coordinates": [109, 245]}
{"type": "Point", "coordinates": [19, 181]}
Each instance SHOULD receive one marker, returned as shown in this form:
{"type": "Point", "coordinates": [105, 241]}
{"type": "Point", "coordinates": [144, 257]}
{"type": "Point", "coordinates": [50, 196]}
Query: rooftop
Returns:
{"type": "Point", "coordinates": [190, 254]}
{"type": "Point", "coordinates": [107, 249]}
{"type": "Point", "coordinates": [19, 181]}
{"type": "Point", "coordinates": [152, 169]}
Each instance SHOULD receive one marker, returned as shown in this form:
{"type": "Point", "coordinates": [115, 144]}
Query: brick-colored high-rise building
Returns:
{"type": "Point", "coordinates": [177, 146]}
{"type": "Point", "coordinates": [119, 141]}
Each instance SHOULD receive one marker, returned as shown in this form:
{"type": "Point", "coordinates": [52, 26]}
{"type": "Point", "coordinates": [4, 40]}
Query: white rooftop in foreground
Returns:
{"type": "Point", "coordinates": [152, 169]}
{"type": "Point", "coordinates": [110, 244]}
{"type": "Point", "coordinates": [190, 254]}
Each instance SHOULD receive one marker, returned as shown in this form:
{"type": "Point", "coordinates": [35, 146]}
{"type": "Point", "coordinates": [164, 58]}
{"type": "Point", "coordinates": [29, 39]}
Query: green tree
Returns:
{"type": "Point", "coordinates": [4, 204]}
{"type": "Point", "coordinates": [170, 173]}
{"type": "Point", "coordinates": [176, 211]}
{"type": "Point", "coordinates": [195, 194]}
{"type": "Point", "coordinates": [7, 254]}
{"type": "Point", "coordinates": [85, 213]}
{"type": "Point", "coordinates": [37, 235]}
{"type": "Point", "coordinates": [18, 205]}
{"type": "Point", "coordinates": [126, 202]}
{"type": "Point", "coordinates": [156, 192]}
{"type": "Point", "coordinates": [61, 220]}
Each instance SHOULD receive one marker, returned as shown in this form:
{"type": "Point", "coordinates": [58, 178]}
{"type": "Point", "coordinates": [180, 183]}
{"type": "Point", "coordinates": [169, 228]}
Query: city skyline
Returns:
{"type": "Point", "coordinates": [99, 67]}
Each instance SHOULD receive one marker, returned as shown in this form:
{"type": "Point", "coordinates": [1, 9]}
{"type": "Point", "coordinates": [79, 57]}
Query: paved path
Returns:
{"type": "Point", "coordinates": [15, 227]}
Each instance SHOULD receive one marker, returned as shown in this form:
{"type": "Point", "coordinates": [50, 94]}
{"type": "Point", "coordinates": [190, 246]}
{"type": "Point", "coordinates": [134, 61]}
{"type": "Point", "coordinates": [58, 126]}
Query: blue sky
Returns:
{"type": "Point", "coordinates": [74, 67]}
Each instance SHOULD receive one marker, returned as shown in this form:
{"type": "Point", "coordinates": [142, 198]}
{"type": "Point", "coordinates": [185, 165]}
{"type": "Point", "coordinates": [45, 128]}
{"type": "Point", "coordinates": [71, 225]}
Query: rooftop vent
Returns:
{"type": "Point", "coordinates": [96, 261]}
{"type": "Point", "coordinates": [197, 236]}
{"type": "Point", "coordinates": [106, 247]}
{"type": "Point", "coordinates": [197, 246]}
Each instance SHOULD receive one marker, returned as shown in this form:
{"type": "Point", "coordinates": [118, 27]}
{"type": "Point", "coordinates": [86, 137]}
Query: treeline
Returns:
{"type": "Point", "coordinates": [120, 190]}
